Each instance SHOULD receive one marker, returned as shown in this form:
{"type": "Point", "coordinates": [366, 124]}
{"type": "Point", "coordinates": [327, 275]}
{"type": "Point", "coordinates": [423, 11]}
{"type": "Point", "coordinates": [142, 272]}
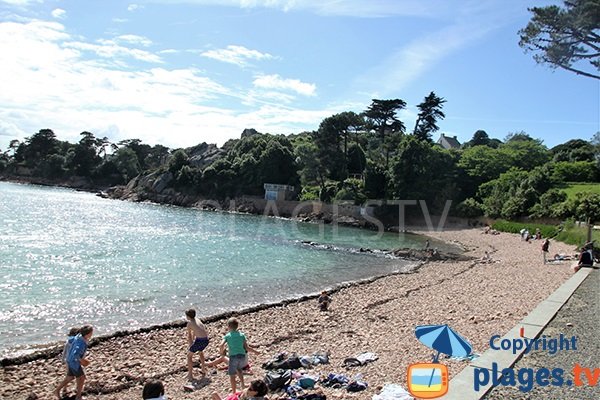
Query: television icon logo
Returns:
{"type": "Point", "coordinates": [427, 380]}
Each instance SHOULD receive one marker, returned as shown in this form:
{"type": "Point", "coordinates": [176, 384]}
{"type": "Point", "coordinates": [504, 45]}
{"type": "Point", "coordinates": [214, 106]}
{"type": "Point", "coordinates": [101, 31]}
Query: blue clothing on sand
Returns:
{"type": "Point", "coordinates": [76, 353]}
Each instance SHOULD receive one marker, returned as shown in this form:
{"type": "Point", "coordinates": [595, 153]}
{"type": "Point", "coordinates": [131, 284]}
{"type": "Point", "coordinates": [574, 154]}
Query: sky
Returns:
{"type": "Point", "coordinates": [182, 72]}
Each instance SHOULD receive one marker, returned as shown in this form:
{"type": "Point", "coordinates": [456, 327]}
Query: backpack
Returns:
{"type": "Point", "coordinates": [278, 379]}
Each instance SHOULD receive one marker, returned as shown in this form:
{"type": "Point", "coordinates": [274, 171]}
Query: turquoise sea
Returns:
{"type": "Point", "coordinates": [69, 258]}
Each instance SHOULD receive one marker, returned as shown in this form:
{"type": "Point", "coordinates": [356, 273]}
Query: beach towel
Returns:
{"type": "Point", "coordinates": [393, 391]}
{"type": "Point", "coordinates": [361, 359]}
{"type": "Point", "coordinates": [307, 382]}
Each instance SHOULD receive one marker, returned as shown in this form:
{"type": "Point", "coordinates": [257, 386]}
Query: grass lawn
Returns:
{"type": "Point", "coordinates": [571, 188]}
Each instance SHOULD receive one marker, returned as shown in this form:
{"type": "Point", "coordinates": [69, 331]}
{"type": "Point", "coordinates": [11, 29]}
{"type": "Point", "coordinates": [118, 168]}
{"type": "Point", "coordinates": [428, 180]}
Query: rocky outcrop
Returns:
{"type": "Point", "coordinates": [203, 155]}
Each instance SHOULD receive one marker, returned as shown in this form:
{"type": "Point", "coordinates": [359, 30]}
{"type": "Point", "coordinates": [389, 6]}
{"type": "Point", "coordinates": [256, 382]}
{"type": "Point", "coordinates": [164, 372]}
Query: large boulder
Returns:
{"type": "Point", "coordinates": [205, 154]}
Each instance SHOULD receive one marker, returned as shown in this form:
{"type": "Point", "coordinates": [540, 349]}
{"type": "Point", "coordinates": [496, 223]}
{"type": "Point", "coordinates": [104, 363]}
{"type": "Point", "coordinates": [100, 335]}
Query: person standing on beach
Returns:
{"type": "Point", "coordinates": [238, 348]}
{"type": "Point", "coordinates": [76, 360]}
{"type": "Point", "coordinates": [68, 344]}
{"type": "Point", "coordinates": [545, 248]}
{"type": "Point", "coordinates": [197, 340]}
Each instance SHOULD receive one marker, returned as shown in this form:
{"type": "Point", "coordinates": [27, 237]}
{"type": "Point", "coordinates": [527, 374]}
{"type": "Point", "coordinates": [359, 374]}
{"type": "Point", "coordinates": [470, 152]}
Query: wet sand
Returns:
{"type": "Point", "coordinates": [477, 299]}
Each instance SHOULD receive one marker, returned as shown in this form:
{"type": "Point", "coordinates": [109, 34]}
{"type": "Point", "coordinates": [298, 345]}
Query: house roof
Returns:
{"type": "Point", "coordinates": [449, 142]}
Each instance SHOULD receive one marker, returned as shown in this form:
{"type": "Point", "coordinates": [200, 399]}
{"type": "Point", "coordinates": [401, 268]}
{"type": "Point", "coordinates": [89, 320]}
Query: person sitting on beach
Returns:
{"type": "Point", "coordinates": [585, 258]}
{"type": "Point", "coordinates": [256, 391]}
{"type": "Point", "coordinates": [197, 340]}
{"type": "Point", "coordinates": [324, 301]}
{"type": "Point", "coordinates": [68, 344]}
{"type": "Point", "coordinates": [238, 348]}
{"type": "Point", "coordinates": [154, 390]}
{"type": "Point", "coordinates": [76, 360]}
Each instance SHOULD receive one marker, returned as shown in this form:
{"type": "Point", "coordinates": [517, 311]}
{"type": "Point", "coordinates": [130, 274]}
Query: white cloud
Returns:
{"type": "Point", "coordinates": [50, 79]}
{"type": "Point", "coordinates": [238, 55]}
{"type": "Point", "coordinates": [20, 2]}
{"type": "Point", "coordinates": [59, 13]}
{"type": "Point", "coordinates": [353, 8]}
{"type": "Point", "coordinates": [278, 83]}
{"type": "Point", "coordinates": [134, 39]}
{"type": "Point", "coordinates": [133, 7]}
{"type": "Point", "coordinates": [168, 51]}
{"type": "Point", "coordinates": [120, 20]}
{"type": "Point", "coordinates": [110, 49]}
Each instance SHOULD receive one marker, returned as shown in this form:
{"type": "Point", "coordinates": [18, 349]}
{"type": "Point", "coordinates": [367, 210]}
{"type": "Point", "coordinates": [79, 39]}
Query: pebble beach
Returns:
{"type": "Point", "coordinates": [476, 298]}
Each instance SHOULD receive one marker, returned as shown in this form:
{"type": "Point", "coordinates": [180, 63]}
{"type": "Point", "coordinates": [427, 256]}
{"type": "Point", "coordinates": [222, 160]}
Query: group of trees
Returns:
{"type": "Point", "coordinates": [350, 156]}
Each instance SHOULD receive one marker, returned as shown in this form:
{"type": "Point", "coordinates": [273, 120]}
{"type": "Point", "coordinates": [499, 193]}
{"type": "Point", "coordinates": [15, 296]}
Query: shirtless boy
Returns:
{"type": "Point", "coordinates": [197, 339]}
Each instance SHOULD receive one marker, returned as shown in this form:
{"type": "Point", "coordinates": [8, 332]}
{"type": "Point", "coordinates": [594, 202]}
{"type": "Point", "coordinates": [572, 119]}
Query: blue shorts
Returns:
{"type": "Point", "coordinates": [75, 372]}
{"type": "Point", "coordinates": [237, 363]}
{"type": "Point", "coordinates": [199, 344]}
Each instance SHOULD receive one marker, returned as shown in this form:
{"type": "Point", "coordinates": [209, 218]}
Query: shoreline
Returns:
{"type": "Point", "coordinates": [53, 349]}
{"type": "Point", "coordinates": [478, 299]}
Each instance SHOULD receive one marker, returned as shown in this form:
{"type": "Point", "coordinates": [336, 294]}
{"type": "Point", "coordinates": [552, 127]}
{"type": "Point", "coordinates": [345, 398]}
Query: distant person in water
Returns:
{"type": "Point", "coordinates": [324, 301]}
{"type": "Point", "coordinates": [197, 340]}
{"type": "Point", "coordinates": [154, 390]}
{"type": "Point", "coordinates": [68, 378]}
{"type": "Point", "coordinates": [76, 360]}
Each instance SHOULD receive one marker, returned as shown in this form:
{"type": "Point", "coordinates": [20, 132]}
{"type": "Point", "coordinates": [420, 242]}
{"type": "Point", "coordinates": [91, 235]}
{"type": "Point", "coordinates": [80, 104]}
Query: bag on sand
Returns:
{"type": "Point", "coordinates": [278, 379]}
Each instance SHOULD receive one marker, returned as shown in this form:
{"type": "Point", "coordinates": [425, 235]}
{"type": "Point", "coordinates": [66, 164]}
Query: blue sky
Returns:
{"type": "Point", "coordinates": [180, 72]}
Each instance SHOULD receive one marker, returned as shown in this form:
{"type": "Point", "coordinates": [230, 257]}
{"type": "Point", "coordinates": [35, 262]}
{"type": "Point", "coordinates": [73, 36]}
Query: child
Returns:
{"type": "Point", "coordinates": [238, 348]}
{"type": "Point", "coordinates": [256, 391]}
{"type": "Point", "coordinates": [68, 344]}
{"type": "Point", "coordinates": [324, 301]}
{"type": "Point", "coordinates": [76, 360]}
{"type": "Point", "coordinates": [545, 248]}
{"type": "Point", "coordinates": [154, 390]}
{"type": "Point", "coordinates": [197, 340]}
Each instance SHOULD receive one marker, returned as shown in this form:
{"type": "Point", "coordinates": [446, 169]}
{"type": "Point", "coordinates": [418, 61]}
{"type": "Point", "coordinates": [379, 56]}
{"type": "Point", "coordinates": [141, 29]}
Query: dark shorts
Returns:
{"type": "Point", "coordinates": [199, 345]}
{"type": "Point", "coordinates": [75, 372]}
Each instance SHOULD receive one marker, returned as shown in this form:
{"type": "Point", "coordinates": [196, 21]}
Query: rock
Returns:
{"type": "Point", "coordinates": [162, 182]}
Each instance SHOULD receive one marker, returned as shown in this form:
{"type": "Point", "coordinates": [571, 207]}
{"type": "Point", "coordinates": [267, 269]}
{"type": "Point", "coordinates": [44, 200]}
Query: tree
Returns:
{"type": "Point", "coordinates": [430, 111]}
{"type": "Point", "coordinates": [381, 116]}
{"type": "Point", "coordinates": [480, 138]}
{"type": "Point", "coordinates": [567, 38]}
{"type": "Point", "coordinates": [126, 162]}
{"type": "Point", "coordinates": [573, 150]}
{"type": "Point", "coordinates": [341, 125]}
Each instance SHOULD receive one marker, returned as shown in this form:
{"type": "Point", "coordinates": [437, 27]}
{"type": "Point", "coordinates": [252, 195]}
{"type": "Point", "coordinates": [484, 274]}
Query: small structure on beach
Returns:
{"type": "Point", "coordinates": [448, 142]}
{"type": "Point", "coordinates": [275, 191]}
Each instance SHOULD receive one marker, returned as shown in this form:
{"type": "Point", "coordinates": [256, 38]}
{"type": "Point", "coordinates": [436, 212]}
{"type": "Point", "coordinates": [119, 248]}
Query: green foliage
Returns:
{"type": "Point", "coordinates": [547, 231]}
{"type": "Point", "coordinates": [309, 193]}
{"type": "Point", "coordinates": [574, 171]}
{"type": "Point", "coordinates": [351, 189]}
{"type": "Point", "coordinates": [376, 181]}
{"type": "Point", "coordinates": [550, 204]}
{"type": "Point", "coordinates": [576, 235]}
{"type": "Point", "coordinates": [514, 193]}
{"type": "Point", "coordinates": [469, 208]}
{"type": "Point", "coordinates": [524, 152]}
{"type": "Point", "coordinates": [126, 163]}
{"type": "Point", "coordinates": [565, 37]}
{"type": "Point", "coordinates": [573, 150]}
{"type": "Point", "coordinates": [177, 161]}
{"type": "Point", "coordinates": [357, 159]}
{"type": "Point", "coordinates": [430, 111]}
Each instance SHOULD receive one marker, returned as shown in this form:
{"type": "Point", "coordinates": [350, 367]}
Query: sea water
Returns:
{"type": "Point", "coordinates": [68, 258]}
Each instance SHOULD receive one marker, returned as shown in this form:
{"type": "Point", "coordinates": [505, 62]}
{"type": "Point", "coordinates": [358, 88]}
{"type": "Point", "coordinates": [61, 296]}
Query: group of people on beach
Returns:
{"type": "Point", "coordinates": [233, 351]}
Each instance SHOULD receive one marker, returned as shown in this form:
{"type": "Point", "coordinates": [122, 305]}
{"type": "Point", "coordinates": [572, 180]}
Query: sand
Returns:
{"type": "Point", "coordinates": [476, 299]}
